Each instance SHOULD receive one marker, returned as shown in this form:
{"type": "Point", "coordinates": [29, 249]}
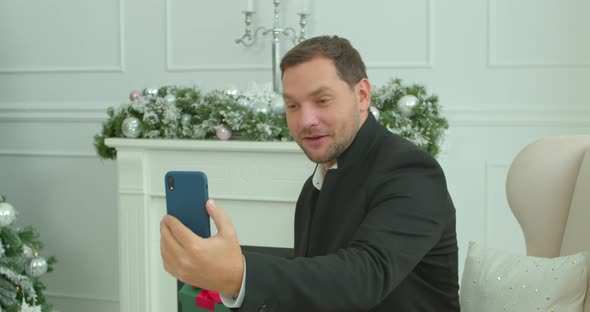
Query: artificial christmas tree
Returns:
{"type": "Point", "coordinates": [21, 265]}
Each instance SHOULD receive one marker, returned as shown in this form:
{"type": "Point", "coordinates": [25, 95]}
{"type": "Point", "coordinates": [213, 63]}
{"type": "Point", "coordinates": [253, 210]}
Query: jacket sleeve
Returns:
{"type": "Point", "coordinates": [407, 212]}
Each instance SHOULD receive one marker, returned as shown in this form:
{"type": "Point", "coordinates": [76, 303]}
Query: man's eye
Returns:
{"type": "Point", "coordinates": [324, 101]}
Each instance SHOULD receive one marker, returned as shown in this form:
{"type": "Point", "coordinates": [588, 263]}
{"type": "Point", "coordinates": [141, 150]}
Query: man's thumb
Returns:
{"type": "Point", "coordinates": [220, 218]}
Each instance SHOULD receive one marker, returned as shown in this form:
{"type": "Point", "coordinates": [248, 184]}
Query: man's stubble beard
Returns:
{"type": "Point", "coordinates": [338, 148]}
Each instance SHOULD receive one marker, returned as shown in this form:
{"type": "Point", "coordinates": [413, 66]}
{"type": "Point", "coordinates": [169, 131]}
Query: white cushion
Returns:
{"type": "Point", "coordinates": [495, 280]}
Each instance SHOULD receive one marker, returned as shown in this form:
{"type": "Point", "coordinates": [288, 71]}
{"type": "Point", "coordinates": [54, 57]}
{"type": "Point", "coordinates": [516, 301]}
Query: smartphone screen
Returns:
{"type": "Point", "coordinates": [186, 195]}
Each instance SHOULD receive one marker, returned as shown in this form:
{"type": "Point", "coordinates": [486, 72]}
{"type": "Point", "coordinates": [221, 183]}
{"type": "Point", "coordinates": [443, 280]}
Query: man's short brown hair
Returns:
{"type": "Point", "coordinates": [348, 62]}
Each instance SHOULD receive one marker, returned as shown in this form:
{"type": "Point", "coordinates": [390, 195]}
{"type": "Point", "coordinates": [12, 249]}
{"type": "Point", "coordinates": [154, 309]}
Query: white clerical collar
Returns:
{"type": "Point", "coordinates": [318, 176]}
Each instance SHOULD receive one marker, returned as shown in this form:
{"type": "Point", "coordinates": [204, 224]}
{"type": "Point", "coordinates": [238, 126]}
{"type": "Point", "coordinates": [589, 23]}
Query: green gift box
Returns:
{"type": "Point", "coordinates": [188, 299]}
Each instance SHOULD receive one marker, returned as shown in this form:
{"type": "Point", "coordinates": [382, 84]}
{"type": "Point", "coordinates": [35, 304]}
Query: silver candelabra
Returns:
{"type": "Point", "coordinates": [250, 37]}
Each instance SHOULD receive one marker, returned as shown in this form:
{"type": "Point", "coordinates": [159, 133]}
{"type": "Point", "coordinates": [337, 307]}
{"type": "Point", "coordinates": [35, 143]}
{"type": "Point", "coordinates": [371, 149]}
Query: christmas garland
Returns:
{"type": "Point", "coordinates": [257, 114]}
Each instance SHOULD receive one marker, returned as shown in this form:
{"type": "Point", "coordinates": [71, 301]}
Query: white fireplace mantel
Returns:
{"type": "Point", "coordinates": [256, 182]}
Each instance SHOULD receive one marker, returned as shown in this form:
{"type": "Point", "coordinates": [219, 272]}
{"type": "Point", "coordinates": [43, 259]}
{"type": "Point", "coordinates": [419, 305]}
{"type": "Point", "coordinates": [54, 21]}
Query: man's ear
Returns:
{"type": "Point", "coordinates": [363, 93]}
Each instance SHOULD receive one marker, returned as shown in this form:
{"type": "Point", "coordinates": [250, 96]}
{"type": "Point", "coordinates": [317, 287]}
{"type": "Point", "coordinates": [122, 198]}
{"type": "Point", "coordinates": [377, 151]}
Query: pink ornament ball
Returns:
{"type": "Point", "coordinates": [134, 95]}
{"type": "Point", "coordinates": [223, 133]}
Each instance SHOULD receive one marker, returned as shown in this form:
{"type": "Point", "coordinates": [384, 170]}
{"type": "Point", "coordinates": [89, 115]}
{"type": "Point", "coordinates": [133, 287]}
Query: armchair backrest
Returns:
{"type": "Point", "coordinates": [548, 190]}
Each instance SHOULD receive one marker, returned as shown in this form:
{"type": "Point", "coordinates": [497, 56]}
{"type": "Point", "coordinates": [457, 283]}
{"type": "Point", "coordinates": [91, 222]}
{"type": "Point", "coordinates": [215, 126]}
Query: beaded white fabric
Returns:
{"type": "Point", "coordinates": [497, 281]}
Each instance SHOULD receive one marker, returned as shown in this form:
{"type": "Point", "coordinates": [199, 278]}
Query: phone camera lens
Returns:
{"type": "Point", "coordinates": [171, 183]}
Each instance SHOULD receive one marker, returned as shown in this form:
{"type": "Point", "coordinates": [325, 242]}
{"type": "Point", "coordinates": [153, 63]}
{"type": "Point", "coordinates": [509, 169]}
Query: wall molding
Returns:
{"type": "Point", "coordinates": [493, 63]}
{"type": "Point", "coordinates": [50, 154]}
{"type": "Point", "coordinates": [490, 117]}
{"type": "Point", "coordinates": [171, 67]}
{"type": "Point", "coordinates": [53, 115]}
{"type": "Point", "coordinates": [501, 227]}
{"type": "Point", "coordinates": [486, 197]}
{"type": "Point", "coordinates": [66, 112]}
{"type": "Point", "coordinates": [80, 297]}
{"type": "Point", "coordinates": [212, 68]}
{"type": "Point", "coordinates": [521, 117]}
{"type": "Point", "coordinates": [379, 65]}
{"type": "Point", "coordinates": [81, 69]}
{"type": "Point", "coordinates": [428, 62]}
{"type": "Point", "coordinates": [95, 112]}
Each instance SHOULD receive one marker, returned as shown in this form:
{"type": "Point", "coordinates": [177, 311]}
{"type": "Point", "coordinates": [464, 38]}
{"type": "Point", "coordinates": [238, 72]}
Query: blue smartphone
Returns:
{"type": "Point", "coordinates": [186, 195]}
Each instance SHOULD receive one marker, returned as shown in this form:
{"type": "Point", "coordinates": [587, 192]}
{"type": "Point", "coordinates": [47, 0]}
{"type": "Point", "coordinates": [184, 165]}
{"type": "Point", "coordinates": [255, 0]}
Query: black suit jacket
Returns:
{"type": "Point", "coordinates": [379, 236]}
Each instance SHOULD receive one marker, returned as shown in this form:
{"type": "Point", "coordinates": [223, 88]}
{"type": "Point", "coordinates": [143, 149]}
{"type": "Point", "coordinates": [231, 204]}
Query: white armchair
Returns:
{"type": "Point", "coordinates": [548, 190]}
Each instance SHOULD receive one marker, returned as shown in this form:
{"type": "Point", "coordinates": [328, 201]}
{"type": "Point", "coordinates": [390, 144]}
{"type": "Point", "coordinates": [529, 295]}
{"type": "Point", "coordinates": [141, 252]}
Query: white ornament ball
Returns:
{"type": "Point", "coordinates": [185, 120]}
{"type": "Point", "coordinates": [130, 127]}
{"type": "Point", "coordinates": [406, 104]}
{"type": "Point", "coordinates": [223, 133]}
{"type": "Point", "coordinates": [277, 105]}
{"type": "Point", "coordinates": [375, 111]}
{"type": "Point", "coordinates": [7, 214]}
{"type": "Point", "coordinates": [28, 252]}
{"type": "Point", "coordinates": [36, 267]}
{"type": "Point", "coordinates": [170, 99]}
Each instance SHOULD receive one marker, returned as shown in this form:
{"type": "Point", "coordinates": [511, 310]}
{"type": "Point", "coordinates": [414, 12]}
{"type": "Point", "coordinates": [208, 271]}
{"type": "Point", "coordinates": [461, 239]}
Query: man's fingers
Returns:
{"type": "Point", "coordinates": [183, 235]}
{"type": "Point", "coordinates": [221, 219]}
{"type": "Point", "coordinates": [169, 248]}
{"type": "Point", "coordinates": [167, 240]}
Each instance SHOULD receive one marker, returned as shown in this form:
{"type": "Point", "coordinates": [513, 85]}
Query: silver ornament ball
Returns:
{"type": "Point", "coordinates": [223, 133]}
{"type": "Point", "coordinates": [36, 267]}
{"type": "Point", "coordinates": [406, 104]}
{"type": "Point", "coordinates": [130, 127]}
{"type": "Point", "coordinates": [375, 111]}
{"type": "Point", "coordinates": [185, 120]}
{"type": "Point", "coordinates": [170, 99]}
{"type": "Point", "coordinates": [7, 214]}
{"type": "Point", "coordinates": [277, 105]}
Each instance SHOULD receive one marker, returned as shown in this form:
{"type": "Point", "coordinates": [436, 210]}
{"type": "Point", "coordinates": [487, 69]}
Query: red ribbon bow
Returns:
{"type": "Point", "coordinates": [207, 299]}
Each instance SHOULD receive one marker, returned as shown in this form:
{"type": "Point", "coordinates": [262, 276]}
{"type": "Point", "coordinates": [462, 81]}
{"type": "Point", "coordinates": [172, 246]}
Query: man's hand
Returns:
{"type": "Point", "coordinates": [214, 263]}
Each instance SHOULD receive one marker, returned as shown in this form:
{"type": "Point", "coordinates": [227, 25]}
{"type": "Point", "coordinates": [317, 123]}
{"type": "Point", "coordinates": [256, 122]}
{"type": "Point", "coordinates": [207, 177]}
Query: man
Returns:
{"type": "Point", "coordinates": [374, 224]}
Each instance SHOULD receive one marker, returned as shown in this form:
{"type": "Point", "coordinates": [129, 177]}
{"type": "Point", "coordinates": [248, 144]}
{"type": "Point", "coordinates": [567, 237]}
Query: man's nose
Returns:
{"type": "Point", "coordinates": [308, 117]}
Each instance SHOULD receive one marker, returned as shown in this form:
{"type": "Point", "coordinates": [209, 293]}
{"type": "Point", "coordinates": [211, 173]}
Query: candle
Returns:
{"type": "Point", "coordinates": [250, 5]}
{"type": "Point", "coordinates": [305, 6]}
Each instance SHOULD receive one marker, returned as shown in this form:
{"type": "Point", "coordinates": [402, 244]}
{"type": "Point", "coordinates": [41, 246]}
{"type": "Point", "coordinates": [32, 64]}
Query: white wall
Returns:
{"type": "Point", "coordinates": [507, 72]}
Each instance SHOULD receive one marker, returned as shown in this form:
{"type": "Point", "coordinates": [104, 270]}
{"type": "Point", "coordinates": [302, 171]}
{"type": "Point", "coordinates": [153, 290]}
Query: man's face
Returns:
{"type": "Point", "coordinates": [323, 112]}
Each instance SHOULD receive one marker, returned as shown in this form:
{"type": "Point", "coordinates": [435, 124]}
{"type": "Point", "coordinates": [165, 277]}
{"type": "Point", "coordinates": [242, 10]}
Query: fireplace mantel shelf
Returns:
{"type": "Point", "coordinates": [209, 145]}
